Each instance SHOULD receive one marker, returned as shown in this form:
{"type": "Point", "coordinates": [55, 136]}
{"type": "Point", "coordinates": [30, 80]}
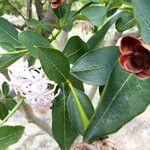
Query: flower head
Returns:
{"type": "Point", "coordinates": [56, 3]}
{"type": "Point", "coordinates": [87, 27]}
{"type": "Point", "coordinates": [135, 57]}
{"type": "Point", "coordinates": [32, 84]}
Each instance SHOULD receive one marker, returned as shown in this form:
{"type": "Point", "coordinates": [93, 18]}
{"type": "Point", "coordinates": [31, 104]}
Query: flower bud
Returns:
{"type": "Point", "coordinates": [135, 57]}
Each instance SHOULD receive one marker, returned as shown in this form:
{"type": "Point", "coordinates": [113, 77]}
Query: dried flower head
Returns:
{"type": "Point", "coordinates": [87, 27]}
{"type": "Point", "coordinates": [135, 57]}
{"type": "Point", "coordinates": [33, 84]}
{"type": "Point", "coordinates": [56, 3]}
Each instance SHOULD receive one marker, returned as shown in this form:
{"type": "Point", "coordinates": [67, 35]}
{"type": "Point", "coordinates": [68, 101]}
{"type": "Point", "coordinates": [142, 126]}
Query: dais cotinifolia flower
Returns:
{"type": "Point", "coordinates": [32, 83]}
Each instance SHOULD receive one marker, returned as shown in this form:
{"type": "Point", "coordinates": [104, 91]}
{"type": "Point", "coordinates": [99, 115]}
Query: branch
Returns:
{"type": "Point", "coordinates": [20, 27]}
{"type": "Point", "coordinates": [51, 19]}
{"type": "Point", "coordinates": [92, 92]}
{"type": "Point", "coordinates": [39, 9]}
{"type": "Point", "coordinates": [16, 9]}
{"type": "Point", "coordinates": [39, 122]}
{"type": "Point", "coordinates": [29, 9]}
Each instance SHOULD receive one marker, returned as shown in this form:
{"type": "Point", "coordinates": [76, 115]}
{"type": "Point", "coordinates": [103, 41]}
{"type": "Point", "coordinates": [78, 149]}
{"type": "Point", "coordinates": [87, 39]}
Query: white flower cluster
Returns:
{"type": "Point", "coordinates": [32, 83]}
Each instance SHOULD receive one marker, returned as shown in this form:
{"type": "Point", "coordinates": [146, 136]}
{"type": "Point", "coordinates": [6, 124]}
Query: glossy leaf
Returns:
{"type": "Point", "coordinates": [141, 12]}
{"type": "Point", "coordinates": [6, 61]}
{"type": "Point", "coordinates": [69, 23]}
{"type": "Point", "coordinates": [124, 97]}
{"type": "Point", "coordinates": [97, 38]}
{"type": "Point", "coordinates": [76, 83]}
{"type": "Point", "coordinates": [10, 135]}
{"type": "Point", "coordinates": [95, 14]}
{"type": "Point", "coordinates": [54, 64]}
{"type": "Point", "coordinates": [5, 88]}
{"type": "Point", "coordinates": [3, 111]}
{"type": "Point", "coordinates": [63, 130]}
{"type": "Point", "coordinates": [8, 33]}
{"type": "Point", "coordinates": [74, 112]}
{"type": "Point", "coordinates": [75, 48]}
{"type": "Point", "coordinates": [7, 46]}
{"type": "Point", "coordinates": [125, 22]}
{"type": "Point", "coordinates": [9, 104]}
{"type": "Point", "coordinates": [128, 2]}
{"type": "Point", "coordinates": [32, 40]}
{"type": "Point", "coordinates": [113, 4]}
{"type": "Point", "coordinates": [95, 66]}
{"type": "Point", "coordinates": [33, 22]}
{"type": "Point", "coordinates": [95, 1]}
{"type": "Point", "coordinates": [60, 12]}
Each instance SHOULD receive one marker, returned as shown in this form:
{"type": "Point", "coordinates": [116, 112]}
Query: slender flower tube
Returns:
{"type": "Point", "coordinates": [31, 83]}
{"type": "Point", "coordinates": [135, 57]}
{"type": "Point", "coordinates": [56, 3]}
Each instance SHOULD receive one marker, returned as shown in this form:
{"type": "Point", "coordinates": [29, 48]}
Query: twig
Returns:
{"type": "Point", "coordinates": [20, 102]}
{"type": "Point", "coordinates": [92, 92]}
{"type": "Point", "coordinates": [39, 122]}
{"type": "Point", "coordinates": [16, 9]}
{"type": "Point", "coordinates": [29, 9]}
{"type": "Point", "coordinates": [20, 27]}
{"type": "Point", "coordinates": [14, 52]}
{"type": "Point", "coordinates": [39, 9]}
{"type": "Point", "coordinates": [63, 40]}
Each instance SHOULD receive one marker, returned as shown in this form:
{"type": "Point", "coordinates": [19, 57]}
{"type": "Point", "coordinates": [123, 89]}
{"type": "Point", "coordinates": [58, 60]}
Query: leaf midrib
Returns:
{"type": "Point", "coordinates": [64, 98]}
{"type": "Point", "coordinates": [54, 65]}
{"type": "Point", "coordinates": [9, 135]}
{"type": "Point", "coordinates": [91, 68]}
{"type": "Point", "coordinates": [143, 18]}
{"type": "Point", "coordinates": [14, 58]}
{"type": "Point", "coordinates": [127, 79]}
{"type": "Point", "coordinates": [10, 35]}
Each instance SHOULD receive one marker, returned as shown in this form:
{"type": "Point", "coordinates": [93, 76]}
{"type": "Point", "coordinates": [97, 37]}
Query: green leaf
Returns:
{"type": "Point", "coordinates": [141, 12]}
{"type": "Point", "coordinates": [95, 66]}
{"type": "Point", "coordinates": [7, 46]}
{"type": "Point", "coordinates": [3, 111]}
{"type": "Point", "coordinates": [60, 12]}
{"type": "Point", "coordinates": [9, 104]}
{"type": "Point", "coordinates": [10, 135]}
{"type": "Point", "coordinates": [75, 48]}
{"type": "Point", "coordinates": [6, 61]}
{"type": "Point", "coordinates": [74, 110]}
{"type": "Point", "coordinates": [128, 2]}
{"type": "Point", "coordinates": [113, 4]}
{"type": "Point", "coordinates": [96, 14]}
{"type": "Point", "coordinates": [97, 38]}
{"type": "Point", "coordinates": [40, 25]}
{"type": "Point", "coordinates": [70, 20]}
{"type": "Point", "coordinates": [8, 33]}
{"type": "Point", "coordinates": [33, 22]}
{"type": "Point", "coordinates": [124, 97]}
{"type": "Point", "coordinates": [5, 88]}
{"type": "Point", "coordinates": [76, 83]}
{"type": "Point", "coordinates": [32, 40]}
{"type": "Point", "coordinates": [96, 1]}
{"type": "Point", "coordinates": [63, 130]}
{"type": "Point", "coordinates": [125, 22]}
{"type": "Point", "coordinates": [54, 64]}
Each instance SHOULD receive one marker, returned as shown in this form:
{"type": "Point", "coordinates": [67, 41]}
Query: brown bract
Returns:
{"type": "Point", "coordinates": [56, 3]}
{"type": "Point", "coordinates": [135, 57]}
